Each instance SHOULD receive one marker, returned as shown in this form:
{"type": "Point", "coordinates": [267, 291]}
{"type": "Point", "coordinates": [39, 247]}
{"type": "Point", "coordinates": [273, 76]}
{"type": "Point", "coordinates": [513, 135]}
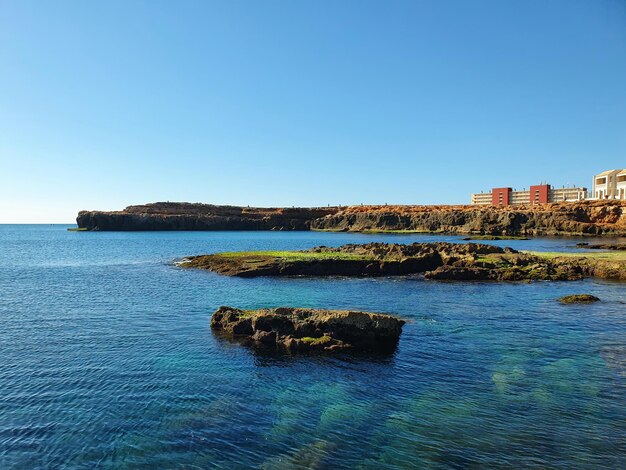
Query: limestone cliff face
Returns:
{"type": "Point", "coordinates": [583, 218]}
{"type": "Point", "coordinates": [186, 216]}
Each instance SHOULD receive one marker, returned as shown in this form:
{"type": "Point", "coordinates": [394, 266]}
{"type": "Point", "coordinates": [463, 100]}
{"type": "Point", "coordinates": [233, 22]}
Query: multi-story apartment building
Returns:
{"type": "Point", "coordinates": [538, 194]}
{"type": "Point", "coordinates": [610, 184]}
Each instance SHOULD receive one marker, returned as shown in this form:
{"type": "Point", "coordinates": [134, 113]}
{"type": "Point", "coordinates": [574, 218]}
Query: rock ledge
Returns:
{"type": "Point", "coordinates": [435, 261]}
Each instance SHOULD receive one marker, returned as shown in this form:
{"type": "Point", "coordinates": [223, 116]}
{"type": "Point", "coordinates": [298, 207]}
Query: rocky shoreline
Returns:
{"type": "Point", "coordinates": [575, 219]}
{"type": "Point", "coordinates": [308, 330]}
{"type": "Point", "coordinates": [436, 261]}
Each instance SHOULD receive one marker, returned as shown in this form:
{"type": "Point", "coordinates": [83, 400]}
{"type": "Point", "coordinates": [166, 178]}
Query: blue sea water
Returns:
{"type": "Point", "coordinates": [108, 362]}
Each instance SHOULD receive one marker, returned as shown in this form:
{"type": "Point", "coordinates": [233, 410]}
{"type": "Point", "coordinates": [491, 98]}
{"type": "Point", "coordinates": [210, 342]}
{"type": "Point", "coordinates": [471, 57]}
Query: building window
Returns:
{"type": "Point", "coordinates": [601, 180]}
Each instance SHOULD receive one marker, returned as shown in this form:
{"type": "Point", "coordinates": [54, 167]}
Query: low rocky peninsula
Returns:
{"type": "Point", "coordinates": [577, 218]}
{"type": "Point", "coordinates": [305, 330]}
{"type": "Point", "coordinates": [436, 261]}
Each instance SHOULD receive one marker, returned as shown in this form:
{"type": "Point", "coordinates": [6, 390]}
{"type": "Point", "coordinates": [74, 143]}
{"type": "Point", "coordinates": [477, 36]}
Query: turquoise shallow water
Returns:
{"type": "Point", "coordinates": [108, 362]}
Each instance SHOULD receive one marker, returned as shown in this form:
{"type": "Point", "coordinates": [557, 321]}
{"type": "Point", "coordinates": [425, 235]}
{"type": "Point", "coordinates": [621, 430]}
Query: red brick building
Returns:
{"type": "Point", "coordinates": [537, 194]}
{"type": "Point", "coordinates": [501, 196]}
{"type": "Point", "coordinates": [540, 194]}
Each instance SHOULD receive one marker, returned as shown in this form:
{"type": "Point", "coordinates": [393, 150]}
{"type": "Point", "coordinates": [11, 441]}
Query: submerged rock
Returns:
{"type": "Point", "coordinates": [303, 329]}
{"type": "Point", "coordinates": [579, 299]}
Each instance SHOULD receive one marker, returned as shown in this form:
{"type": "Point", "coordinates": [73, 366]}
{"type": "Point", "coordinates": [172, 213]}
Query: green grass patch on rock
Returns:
{"type": "Point", "coordinates": [394, 232]}
{"type": "Point", "coordinates": [602, 255]}
{"type": "Point", "coordinates": [292, 255]}
{"type": "Point", "coordinates": [314, 341]}
{"type": "Point", "coordinates": [495, 237]}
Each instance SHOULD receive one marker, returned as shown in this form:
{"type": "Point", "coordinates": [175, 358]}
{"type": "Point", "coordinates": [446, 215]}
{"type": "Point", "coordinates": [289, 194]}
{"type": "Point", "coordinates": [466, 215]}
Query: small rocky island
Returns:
{"type": "Point", "coordinates": [306, 330]}
{"type": "Point", "coordinates": [579, 299]}
{"type": "Point", "coordinates": [437, 261]}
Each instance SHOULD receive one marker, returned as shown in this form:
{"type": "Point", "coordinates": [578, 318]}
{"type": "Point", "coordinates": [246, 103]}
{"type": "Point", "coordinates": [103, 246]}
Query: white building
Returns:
{"type": "Point", "coordinates": [610, 184]}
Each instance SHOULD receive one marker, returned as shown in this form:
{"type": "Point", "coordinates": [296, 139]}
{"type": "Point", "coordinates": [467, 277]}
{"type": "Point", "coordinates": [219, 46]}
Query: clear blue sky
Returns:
{"type": "Point", "coordinates": [272, 103]}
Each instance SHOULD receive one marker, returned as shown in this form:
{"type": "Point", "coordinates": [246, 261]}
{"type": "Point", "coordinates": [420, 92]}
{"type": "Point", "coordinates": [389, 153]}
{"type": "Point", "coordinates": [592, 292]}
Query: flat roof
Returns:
{"type": "Point", "coordinates": [608, 172]}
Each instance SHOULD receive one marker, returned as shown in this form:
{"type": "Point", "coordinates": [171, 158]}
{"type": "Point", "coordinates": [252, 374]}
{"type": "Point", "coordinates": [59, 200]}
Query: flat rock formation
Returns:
{"type": "Point", "coordinates": [304, 330]}
{"type": "Point", "coordinates": [580, 218]}
{"type": "Point", "coordinates": [579, 299]}
{"type": "Point", "coordinates": [602, 246]}
{"type": "Point", "coordinates": [186, 216]}
{"type": "Point", "coordinates": [436, 261]}
{"type": "Point", "coordinates": [371, 259]}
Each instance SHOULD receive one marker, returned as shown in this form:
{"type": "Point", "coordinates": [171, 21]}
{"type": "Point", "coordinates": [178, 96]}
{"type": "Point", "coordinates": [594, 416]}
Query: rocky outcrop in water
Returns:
{"type": "Point", "coordinates": [371, 259]}
{"type": "Point", "coordinates": [436, 261]}
{"type": "Point", "coordinates": [305, 330]}
{"type": "Point", "coordinates": [515, 267]}
{"type": "Point", "coordinates": [579, 299]}
{"type": "Point", "coordinates": [580, 218]}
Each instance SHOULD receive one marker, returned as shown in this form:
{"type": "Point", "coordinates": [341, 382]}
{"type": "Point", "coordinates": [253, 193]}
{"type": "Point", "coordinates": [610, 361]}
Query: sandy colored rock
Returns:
{"type": "Point", "coordinates": [573, 218]}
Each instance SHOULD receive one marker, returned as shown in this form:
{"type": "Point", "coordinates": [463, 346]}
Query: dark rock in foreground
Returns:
{"type": "Point", "coordinates": [302, 329]}
{"type": "Point", "coordinates": [579, 299]}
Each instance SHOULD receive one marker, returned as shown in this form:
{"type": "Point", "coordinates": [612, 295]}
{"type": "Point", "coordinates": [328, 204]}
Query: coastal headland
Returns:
{"type": "Point", "coordinates": [436, 261]}
{"type": "Point", "coordinates": [566, 218]}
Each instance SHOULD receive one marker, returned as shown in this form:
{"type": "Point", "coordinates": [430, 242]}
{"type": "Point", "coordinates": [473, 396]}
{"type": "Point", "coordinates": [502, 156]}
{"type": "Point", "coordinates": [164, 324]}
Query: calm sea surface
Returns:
{"type": "Point", "coordinates": [108, 362]}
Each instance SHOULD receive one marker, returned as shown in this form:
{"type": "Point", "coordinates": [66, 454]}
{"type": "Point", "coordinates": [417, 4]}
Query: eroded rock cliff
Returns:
{"type": "Point", "coordinates": [581, 218]}
{"type": "Point", "coordinates": [188, 216]}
